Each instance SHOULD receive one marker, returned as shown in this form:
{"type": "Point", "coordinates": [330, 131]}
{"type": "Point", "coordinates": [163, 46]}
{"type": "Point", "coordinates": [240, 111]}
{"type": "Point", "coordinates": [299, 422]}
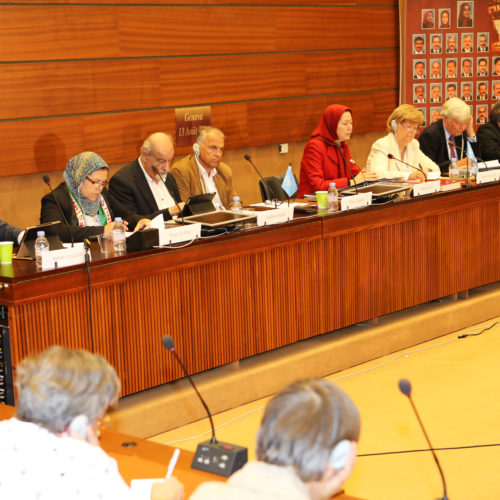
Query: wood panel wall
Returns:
{"type": "Point", "coordinates": [79, 75]}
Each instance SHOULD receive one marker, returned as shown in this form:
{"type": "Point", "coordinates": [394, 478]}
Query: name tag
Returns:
{"type": "Point", "coordinates": [487, 176]}
{"type": "Point", "coordinates": [64, 257]}
{"type": "Point", "coordinates": [178, 234]}
{"type": "Point", "coordinates": [426, 188]}
{"type": "Point", "coordinates": [356, 201]}
{"type": "Point", "coordinates": [275, 216]}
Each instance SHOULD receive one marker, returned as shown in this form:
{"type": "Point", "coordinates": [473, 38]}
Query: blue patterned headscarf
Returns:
{"type": "Point", "coordinates": [79, 167]}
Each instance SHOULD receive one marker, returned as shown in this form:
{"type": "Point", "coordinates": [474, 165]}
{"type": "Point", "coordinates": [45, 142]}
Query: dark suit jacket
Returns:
{"type": "Point", "coordinates": [9, 233]}
{"type": "Point", "coordinates": [131, 189]}
{"type": "Point", "coordinates": [433, 144]}
{"type": "Point", "coordinates": [488, 136]}
{"type": "Point", "coordinates": [50, 212]}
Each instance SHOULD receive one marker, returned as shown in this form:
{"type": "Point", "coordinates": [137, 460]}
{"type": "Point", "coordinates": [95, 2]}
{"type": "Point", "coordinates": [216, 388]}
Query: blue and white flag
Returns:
{"type": "Point", "coordinates": [470, 154]}
{"type": "Point", "coordinates": [289, 183]}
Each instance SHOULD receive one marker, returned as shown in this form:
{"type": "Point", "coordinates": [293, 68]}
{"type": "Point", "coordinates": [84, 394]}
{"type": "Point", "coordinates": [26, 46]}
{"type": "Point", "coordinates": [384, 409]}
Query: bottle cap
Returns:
{"type": "Point", "coordinates": [40, 233]}
{"type": "Point", "coordinates": [118, 219]}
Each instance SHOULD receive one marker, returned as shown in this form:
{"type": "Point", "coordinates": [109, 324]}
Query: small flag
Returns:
{"type": "Point", "coordinates": [470, 154]}
{"type": "Point", "coordinates": [289, 183]}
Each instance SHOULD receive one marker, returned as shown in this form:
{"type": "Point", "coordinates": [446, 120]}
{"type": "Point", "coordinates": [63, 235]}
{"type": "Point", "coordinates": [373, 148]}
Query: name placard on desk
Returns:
{"type": "Point", "coordinates": [360, 200]}
{"type": "Point", "coordinates": [275, 216]}
{"type": "Point", "coordinates": [178, 234]}
{"type": "Point", "coordinates": [487, 176]}
{"type": "Point", "coordinates": [69, 256]}
{"type": "Point", "coordinates": [429, 187]}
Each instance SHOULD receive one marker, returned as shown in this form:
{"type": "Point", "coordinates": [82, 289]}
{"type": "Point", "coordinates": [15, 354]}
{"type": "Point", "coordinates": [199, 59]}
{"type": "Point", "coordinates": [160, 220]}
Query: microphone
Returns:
{"type": "Point", "coordinates": [405, 387]}
{"type": "Point", "coordinates": [212, 455]}
{"type": "Point", "coordinates": [337, 145]}
{"type": "Point", "coordinates": [420, 169]}
{"type": "Point", "coordinates": [156, 171]}
{"type": "Point", "coordinates": [248, 158]}
{"type": "Point", "coordinates": [46, 179]}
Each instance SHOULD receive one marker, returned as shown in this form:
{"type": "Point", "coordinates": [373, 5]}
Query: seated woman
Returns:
{"type": "Point", "coordinates": [327, 157]}
{"type": "Point", "coordinates": [400, 142]}
{"type": "Point", "coordinates": [52, 443]}
{"type": "Point", "coordinates": [87, 205]}
{"type": "Point", "coordinates": [488, 135]}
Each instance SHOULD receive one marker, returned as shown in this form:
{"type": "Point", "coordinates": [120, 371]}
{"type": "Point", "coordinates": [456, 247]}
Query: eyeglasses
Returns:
{"type": "Point", "coordinates": [103, 184]}
{"type": "Point", "coordinates": [159, 160]}
{"type": "Point", "coordinates": [410, 128]}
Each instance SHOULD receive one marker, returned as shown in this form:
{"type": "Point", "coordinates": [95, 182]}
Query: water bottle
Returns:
{"type": "Point", "coordinates": [453, 170]}
{"type": "Point", "coordinates": [41, 245]}
{"type": "Point", "coordinates": [119, 236]}
{"type": "Point", "coordinates": [236, 204]}
{"type": "Point", "coordinates": [333, 198]}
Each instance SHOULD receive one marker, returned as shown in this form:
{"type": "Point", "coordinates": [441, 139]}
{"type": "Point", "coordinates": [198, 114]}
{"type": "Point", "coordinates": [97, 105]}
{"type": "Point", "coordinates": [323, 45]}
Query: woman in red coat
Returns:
{"type": "Point", "coordinates": [322, 161]}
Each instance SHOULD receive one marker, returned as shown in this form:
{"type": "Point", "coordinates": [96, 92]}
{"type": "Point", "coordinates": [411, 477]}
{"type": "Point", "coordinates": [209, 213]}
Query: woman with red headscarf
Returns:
{"type": "Point", "coordinates": [428, 19]}
{"type": "Point", "coordinates": [323, 158]}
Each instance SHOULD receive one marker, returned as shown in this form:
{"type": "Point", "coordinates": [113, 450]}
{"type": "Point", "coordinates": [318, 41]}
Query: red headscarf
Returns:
{"type": "Point", "coordinates": [327, 128]}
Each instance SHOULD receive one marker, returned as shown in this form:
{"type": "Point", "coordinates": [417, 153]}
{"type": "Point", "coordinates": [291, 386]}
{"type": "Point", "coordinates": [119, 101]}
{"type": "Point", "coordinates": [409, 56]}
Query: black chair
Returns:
{"type": "Point", "coordinates": [270, 188]}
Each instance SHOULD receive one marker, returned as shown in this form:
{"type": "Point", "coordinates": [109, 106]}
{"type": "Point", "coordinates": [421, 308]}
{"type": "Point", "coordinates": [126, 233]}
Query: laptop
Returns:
{"type": "Point", "coordinates": [27, 247]}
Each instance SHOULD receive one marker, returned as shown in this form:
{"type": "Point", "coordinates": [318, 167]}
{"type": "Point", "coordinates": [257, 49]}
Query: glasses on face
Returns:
{"type": "Point", "coordinates": [410, 128]}
{"type": "Point", "coordinates": [102, 184]}
{"type": "Point", "coordinates": [159, 160]}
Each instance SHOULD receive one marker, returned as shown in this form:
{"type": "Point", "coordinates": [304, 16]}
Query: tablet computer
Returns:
{"type": "Point", "coordinates": [27, 247]}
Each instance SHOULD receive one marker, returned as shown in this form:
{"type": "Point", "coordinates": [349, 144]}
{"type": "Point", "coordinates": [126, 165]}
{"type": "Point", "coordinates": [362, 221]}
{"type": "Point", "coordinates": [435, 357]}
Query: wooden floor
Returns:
{"type": "Point", "coordinates": [456, 388]}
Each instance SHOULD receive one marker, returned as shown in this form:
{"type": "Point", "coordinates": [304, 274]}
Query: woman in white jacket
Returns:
{"type": "Point", "coordinates": [395, 154]}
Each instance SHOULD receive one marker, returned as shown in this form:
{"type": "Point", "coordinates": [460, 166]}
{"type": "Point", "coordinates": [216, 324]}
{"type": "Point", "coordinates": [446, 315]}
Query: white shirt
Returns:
{"type": "Point", "coordinates": [38, 465]}
{"type": "Point", "coordinates": [208, 184]}
{"type": "Point", "coordinates": [160, 192]}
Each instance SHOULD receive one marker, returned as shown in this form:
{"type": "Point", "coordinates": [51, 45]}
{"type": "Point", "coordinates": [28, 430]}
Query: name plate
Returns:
{"type": "Point", "coordinates": [70, 256]}
{"type": "Point", "coordinates": [275, 216]}
{"type": "Point", "coordinates": [360, 200]}
{"type": "Point", "coordinates": [178, 234]}
{"type": "Point", "coordinates": [483, 165]}
{"type": "Point", "coordinates": [426, 188]}
{"type": "Point", "coordinates": [487, 176]}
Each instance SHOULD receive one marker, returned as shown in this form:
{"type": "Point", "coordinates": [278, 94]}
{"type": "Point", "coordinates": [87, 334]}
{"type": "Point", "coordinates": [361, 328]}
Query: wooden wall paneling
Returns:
{"type": "Point", "coordinates": [91, 32]}
{"type": "Point", "coordinates": [306, 3]}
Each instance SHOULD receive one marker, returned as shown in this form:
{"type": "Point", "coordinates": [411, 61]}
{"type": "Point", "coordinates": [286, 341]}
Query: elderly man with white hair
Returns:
{"type": "Point", "coordinates": [446, 140]}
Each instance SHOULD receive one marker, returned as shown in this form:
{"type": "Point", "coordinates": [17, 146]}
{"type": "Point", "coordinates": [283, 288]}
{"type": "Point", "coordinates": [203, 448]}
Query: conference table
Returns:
{"type": "Point", "coordinates": [230, 297]}
{"type": "Point", "coordinates": [141, 459]}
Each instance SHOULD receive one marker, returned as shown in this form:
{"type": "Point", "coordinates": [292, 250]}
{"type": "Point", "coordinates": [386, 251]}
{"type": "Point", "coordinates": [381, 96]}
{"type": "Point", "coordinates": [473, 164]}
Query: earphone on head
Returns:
{"type": "Point", "coordinates": [394, 125]}
{"type": "Point", "coordinates": [79, 425]}
{"type": "Point", "coordinates": [338, 458]}
{"type": "Point", "coordinates": [196, 149]}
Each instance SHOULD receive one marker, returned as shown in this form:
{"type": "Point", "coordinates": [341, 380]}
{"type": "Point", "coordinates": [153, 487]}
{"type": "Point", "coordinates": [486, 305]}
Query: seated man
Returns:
{"type": "Point", "coordinates": [455, 125]}
{"type": "Point", "coordinates": [204, 172]}
{"type": "Point", "coordinates": [306, 447]}
{"type": "Point", "coordinates": [10, 233]}
{"type": "Point", "coordinates": [140, 189]}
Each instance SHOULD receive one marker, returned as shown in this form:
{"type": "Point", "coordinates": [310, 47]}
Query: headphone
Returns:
{"type": "Point", "coordinates": [338, 458]}
{"type": "Point", "coordinates": [196, 149]}
{"type": "Point", "coordinates": [79, 425]}
{"type": "Point", "coordinates": [394, 125]}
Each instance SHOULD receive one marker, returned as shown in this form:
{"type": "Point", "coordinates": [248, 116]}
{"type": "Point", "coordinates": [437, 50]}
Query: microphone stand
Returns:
{"type": "Point", "coordinates": [419, 168]}
{"type": "Point", "coordinates": [337, 145]}
{"type": "Point", "coordinates": [451, 143]}
{"type": "Point", "coordinates": [248, 158]}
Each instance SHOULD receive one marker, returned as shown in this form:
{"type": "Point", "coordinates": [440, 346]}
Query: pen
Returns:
{"type": "Point", "coordinates": [173, 462]}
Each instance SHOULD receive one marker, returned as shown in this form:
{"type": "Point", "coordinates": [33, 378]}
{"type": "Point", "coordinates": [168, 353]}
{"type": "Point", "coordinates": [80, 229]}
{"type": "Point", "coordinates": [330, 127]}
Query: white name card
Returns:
{"type": "Point", "coordinates": [360, 200]}
{"type": "Point", "coordinates": [488, 164]}
{"type": "Point", "coordinates": [70, 256]}
{"type": "Point", "coordinates": [275, 216]}
{"type": "Point", "coordinates": [487, 176]}
{"type": "Point", "coordinates": [426, 188]}
{"type": "Point", "coordinates": [178, 234]}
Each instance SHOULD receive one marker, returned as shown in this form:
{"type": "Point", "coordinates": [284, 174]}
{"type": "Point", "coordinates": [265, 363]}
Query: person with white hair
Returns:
{"type": "Point", "coordinates": [446, 140]}
{"type": "Point", "coordinates": [306, 448]}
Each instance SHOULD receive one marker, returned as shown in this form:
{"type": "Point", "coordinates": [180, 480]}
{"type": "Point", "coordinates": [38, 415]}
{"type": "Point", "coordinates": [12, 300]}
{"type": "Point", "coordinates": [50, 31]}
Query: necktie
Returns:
{"type": "Point", "coordinates": [453, 152]}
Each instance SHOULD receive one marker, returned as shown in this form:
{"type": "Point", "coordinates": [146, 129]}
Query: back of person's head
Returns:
{"type": "Point", "coordinates": [494, 115]}
{"type": "Point", "coordinates": [456, 109]}
{"type": "Point", "coordinates": [302, 425]}
{"type": "Point", "coordinates": [59, 384]}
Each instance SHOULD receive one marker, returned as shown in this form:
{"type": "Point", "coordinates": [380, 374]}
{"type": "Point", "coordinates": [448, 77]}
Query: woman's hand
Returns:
{"type": "Point", "coordinates": [142, 224]}
{"type": "Point", "coordinates": [365, 176]}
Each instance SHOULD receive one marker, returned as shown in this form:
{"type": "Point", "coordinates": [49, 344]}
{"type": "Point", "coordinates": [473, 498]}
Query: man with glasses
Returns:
{"type": "Point", "coordinates": [145, 186]}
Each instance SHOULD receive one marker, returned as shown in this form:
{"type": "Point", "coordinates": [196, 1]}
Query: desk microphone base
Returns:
{"type": "Point", "coordinates": [219, 458]}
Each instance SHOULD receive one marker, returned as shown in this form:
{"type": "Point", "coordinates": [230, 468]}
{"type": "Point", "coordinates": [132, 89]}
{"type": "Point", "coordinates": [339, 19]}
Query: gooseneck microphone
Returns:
{"type": "Point", "coordinates": [248, 158]}
{"type": "Point", "coordinates": [419, 168]}
{"type": "Point", "coordinates": [46, 179]}
{"type": "Point", "coordinates": [157, 172]}
{"type": "Point", "coordinates": [346, 163]}
{"type": "Point", "coordinates": [405, 387]}
{"type": "Point", "coordinates": [211, 456]}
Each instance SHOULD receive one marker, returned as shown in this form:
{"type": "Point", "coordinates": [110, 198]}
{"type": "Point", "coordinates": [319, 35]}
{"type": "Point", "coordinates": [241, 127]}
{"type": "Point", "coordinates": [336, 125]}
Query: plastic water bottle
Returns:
{"type": "Point", "coordinates": [41, 245]}
{"type": "Point", "coordinates": [333, 198]}
{"type": "Point", "coordinates": [453, 170]}
{"type": "Point", "coordinates": [236, 204]}
{"type": "Point", "coordinates": [119, 236]}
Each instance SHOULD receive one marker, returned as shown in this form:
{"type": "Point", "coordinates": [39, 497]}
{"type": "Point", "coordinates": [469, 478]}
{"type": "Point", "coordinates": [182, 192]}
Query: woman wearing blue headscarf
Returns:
{"type": "Point", "coordinates": [86, 203]}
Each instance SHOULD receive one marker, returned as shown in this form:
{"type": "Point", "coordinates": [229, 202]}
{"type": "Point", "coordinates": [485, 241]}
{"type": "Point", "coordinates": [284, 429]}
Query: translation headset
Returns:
{"type": "Point", "coordinates": [340, 453]}
{"type": "Point", "coordinates": [394, 125]}
{"type": "Point", "coordinates": [79, 425]}
{"type": "Point", "coordinates": [196, 149]}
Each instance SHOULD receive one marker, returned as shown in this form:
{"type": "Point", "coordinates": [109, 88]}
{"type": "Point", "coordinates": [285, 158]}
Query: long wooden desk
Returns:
{"type": "Point", "coordinates": [150, 460]}
{"type": "Point", "coordinates": [235, 296]}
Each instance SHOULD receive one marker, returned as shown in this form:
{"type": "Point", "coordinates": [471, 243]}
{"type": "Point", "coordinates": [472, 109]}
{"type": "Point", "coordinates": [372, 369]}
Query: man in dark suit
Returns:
{"type": "Point", "coordinates": [10, 233]}
{"type": "Point", "coordinates": [455, 125]}
{"type": "Point", "coordinates": [140, 189]}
